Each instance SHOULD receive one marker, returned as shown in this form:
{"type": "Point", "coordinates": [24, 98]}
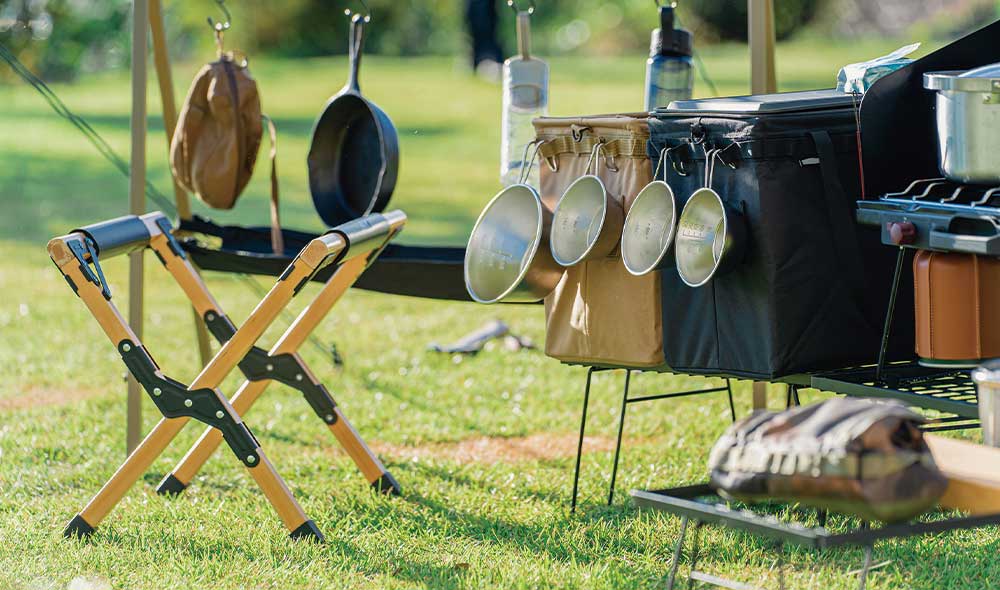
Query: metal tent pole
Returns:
{"type": "Point", "coordinates": [161, 58]}
{"type": "Point", "coordinates": [761, 32]}
{"type": "Point", "coordinates": [760, 25]}
{"type": "Point", "coordinates": [137, 206]}
{"type": "Point", "coordinates": [162, 61]}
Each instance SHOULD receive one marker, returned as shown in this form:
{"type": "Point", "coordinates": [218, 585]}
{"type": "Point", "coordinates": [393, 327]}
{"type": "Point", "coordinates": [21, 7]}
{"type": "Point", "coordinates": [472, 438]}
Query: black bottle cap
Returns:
{"type": "Point", "coordinates": [667, 40]}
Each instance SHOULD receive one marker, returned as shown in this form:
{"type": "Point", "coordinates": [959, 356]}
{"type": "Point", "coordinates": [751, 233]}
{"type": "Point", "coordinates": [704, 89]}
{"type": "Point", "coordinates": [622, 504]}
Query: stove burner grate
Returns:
{"type": "Point", "coordinates": [944, 193]}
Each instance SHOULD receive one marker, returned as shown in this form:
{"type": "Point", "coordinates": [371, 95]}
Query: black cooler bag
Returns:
{"type": "Point", "coordinates": [813, 287]}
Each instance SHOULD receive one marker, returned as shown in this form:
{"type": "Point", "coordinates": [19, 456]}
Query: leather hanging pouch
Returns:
{"type": "Point", "coordinates": [218, 134]}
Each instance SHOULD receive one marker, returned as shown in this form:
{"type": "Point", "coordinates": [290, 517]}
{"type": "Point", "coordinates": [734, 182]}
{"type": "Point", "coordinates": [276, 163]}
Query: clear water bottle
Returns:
{"type": "Point", "coordinates": [669, 70]}
{"type": "Point", "coordinates": [525, 96]}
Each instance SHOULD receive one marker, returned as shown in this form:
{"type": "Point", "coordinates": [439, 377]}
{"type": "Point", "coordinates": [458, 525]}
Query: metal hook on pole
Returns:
{"type": "Point", "coordinates": [223, 26]}
{"type": "Point", "coordinates": [367, 17]}
{"type": "Point", "coordinates": [513, 6]}
{"type": "Point", "coordinates": [220, 27]}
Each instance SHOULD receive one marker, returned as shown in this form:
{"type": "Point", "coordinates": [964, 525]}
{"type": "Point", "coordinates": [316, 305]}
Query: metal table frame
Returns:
{"type": "Point", "coordinates": [626, 402]}
{"type": "Point", "coordinates": [948, 391]}
{"type": "Point", "coordinates": [689, 503]}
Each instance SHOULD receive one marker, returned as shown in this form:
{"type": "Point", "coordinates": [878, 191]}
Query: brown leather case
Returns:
{"type": "Point", "coordinates": [957, 307]}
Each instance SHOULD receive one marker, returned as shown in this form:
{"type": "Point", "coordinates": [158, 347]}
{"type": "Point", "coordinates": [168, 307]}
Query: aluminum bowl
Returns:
{"type": "Point", "coordinates": [711, 238]}
{"type": "Point", "coordinates": [508, 257]}
{"type": "Point", "coordinates": [587, 222]}
{"type": "Point", "coordinates": [649, 229]}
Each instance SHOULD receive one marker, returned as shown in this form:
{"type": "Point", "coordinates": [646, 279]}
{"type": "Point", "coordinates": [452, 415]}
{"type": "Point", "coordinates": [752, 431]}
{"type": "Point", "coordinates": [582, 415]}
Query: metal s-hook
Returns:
{"type": "Point", "coordinates": [513, 6]}
{"type": "Point", "coordinates": [709, 165]}
{"type": "Point", "coordinates": [595, 158]}
{"type": "Point", "coordinates": [367, 17]}
{"type": "Point", "coordinates": [525, 174]}
{"type": "Point", "coordinates": [221, 27]}
{"type": "Point", "coordinates": [664, 153]}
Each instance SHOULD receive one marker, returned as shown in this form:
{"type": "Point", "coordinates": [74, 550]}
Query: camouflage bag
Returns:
{"type": "Point", "coordinates": [854, 456]}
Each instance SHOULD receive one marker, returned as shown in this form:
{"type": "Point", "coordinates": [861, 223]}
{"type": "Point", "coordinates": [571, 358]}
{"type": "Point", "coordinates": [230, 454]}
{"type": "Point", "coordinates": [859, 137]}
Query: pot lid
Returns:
{"type": "Point", "coordinates": [982, 79]}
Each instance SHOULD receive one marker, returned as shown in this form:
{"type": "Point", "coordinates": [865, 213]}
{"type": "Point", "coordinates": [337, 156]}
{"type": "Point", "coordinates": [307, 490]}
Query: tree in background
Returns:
{"type": "Point", "coordinates": [728, 18]}
{"type": "Point", "coordinates": [59, 38]}
{"type": "Point", "coordinates": [937, 18]}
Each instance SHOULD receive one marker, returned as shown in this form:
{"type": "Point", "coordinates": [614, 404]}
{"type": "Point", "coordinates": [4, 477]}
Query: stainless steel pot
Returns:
{"type": "Point", "coordinates": [968, 123]}
{"type": "Point", "coordinates": [508, 255]}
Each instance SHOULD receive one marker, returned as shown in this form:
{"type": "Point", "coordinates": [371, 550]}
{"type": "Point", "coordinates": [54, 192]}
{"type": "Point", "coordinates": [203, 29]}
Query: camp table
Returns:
{"type": "Point", "coordinates": [350, 247]}
{"type": "Point", "coordinates": [973, 488]}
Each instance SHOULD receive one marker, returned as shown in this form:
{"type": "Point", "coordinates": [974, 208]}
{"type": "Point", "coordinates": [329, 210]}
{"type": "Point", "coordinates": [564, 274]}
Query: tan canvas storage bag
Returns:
{"type": "Point", "coordinates": [600, 314]}
{"type": "Point", "coordinates": [218, 135]}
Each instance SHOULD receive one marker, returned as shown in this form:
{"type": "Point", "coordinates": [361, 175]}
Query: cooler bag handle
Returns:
{"type": "Point", "coordinates": [841, 216]}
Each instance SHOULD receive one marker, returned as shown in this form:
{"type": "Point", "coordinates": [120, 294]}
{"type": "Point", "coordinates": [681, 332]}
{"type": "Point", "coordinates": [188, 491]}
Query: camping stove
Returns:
{"type": "Point", "coordinates": [955, 229]}
{"type": "Point", "coordinates": [938, 214]}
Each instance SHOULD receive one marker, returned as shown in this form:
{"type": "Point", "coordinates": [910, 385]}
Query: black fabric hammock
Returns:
{"type": "Point", "coordinates": [418, 271]}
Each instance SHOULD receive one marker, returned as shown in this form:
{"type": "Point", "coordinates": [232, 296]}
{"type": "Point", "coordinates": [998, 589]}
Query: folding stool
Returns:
{"type": "Point", "coordinates": [350, 246]}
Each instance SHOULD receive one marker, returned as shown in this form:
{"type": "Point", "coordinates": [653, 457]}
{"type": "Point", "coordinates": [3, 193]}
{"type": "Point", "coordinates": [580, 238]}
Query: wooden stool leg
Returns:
{"type": "Point", "coordinates": [150, 448]}
{"type": "Point", "coordinates": [130, 471]}
{"type": "Point", "coordinates": [366, 460]}
{"type": "Point", "coordinates": [369, 464]}
{"type": "Point", "coordinates": [96, 296]}
{"type": "Point", "coordinates": [181, 476]}
{"type": "Point", "coordinates": [278, 494]}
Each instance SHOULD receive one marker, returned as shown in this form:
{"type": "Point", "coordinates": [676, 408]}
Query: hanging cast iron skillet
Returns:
{"type": "Point", "coordinates": [354, 156]}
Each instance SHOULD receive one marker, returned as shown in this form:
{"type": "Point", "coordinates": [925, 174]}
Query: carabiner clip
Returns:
{"type": "Point", "coordinates": [675, 162]}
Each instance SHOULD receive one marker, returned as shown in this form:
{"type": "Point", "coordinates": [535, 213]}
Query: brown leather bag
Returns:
{"type": "Point", "coordinates": [218, 135]}
{"type": "Point", "coordinates": [849, 455]}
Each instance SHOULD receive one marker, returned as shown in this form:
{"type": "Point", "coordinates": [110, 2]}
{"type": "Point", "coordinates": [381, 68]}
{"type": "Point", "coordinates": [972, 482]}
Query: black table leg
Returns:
{"type": "Point", "coordinates": [732, 407]}
{"type": "Point", "coordinates": [781, 565]}
{"type": "Point", "coordinates": [677, 554]}
{"type": "Point", "coordinates": [863, 576]}
{"type": "Point", "coordinates": [579, 444]}
{"type": "Point", "coordinates": [694, 553]}
{"type": "Point", "coordinates": [618, 444]}
{"type": "Point", "coordinates": [887, 327]}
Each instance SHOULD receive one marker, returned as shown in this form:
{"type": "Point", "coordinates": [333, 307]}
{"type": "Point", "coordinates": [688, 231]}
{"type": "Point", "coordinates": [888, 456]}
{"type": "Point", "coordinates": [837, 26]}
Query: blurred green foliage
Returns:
{"type": "Point", "coordinates": [59, 38]}
{"type": "Point", "coordinates": [729, 19]}
{"type": "Point", "coordinates": [418, 27]}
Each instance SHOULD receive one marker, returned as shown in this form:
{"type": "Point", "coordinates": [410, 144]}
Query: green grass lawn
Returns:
{"type": "Point", "coordinates": [483, 446]}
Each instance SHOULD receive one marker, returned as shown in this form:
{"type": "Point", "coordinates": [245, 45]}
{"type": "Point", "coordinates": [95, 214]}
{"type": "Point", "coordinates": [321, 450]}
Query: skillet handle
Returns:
{"type": "Point", "coordinates": [357, 44]}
